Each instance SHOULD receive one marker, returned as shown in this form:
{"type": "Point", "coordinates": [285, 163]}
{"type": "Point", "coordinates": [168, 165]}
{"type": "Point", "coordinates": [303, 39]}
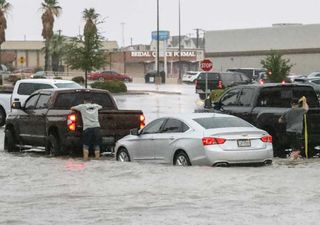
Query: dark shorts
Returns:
{"type": "Point", "coordinates": [295, 140]}
{"type": "Point", "coordinates": [92, 137]}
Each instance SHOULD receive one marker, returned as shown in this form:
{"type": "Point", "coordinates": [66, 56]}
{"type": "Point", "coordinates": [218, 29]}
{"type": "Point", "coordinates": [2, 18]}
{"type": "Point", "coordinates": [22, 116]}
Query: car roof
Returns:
{"type": "Point", "coordinates": [45, 81]}
{"type": "Point", "coordinates": [257, 85]}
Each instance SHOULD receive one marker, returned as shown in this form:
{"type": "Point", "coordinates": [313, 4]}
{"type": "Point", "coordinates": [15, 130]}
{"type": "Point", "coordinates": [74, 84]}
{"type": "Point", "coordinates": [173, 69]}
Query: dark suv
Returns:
{"type": "Point", "coordinates": [218, 80]}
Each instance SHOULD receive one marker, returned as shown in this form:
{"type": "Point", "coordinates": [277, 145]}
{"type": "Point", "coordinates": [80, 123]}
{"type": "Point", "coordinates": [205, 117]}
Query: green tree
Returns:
{"type": "Point", "coordinates": [278, 68]}
{"type": "Point", "coordinates": [86, 52]}
{"type": "Point", "coordinates": [51, 9]}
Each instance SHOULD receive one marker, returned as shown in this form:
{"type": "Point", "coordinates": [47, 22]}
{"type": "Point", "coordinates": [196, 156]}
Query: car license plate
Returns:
{"type": "Point", "coordinates": [244, 143]}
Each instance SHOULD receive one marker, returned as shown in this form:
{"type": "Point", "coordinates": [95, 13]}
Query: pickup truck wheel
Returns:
{"type": "Point", "coordinates": [10, 141]}
{"type": "Point", "coordinates": [181, 159]}
{"type": "Point", "coordinates": [123, 155]}
{"type": "Point", "coordinates": [53, 146]}
{"type": "Point", "coordinates": [2, 117]}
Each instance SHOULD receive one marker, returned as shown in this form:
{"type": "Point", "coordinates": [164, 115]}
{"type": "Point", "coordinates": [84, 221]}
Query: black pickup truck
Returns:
{"type": "Point", "coordinates": [262, 105]}
{"type": "Point", "coordinates": [46, 121]}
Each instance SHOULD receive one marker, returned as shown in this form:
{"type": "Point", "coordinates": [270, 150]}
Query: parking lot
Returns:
{"type": "Point", "coordinates": [38, 189]}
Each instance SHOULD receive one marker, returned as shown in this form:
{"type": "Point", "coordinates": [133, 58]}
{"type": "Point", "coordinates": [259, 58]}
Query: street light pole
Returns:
{"type": "Point", "coordinates": [158, 45]}
{"type": "Point", "coordinates": [179, 79]}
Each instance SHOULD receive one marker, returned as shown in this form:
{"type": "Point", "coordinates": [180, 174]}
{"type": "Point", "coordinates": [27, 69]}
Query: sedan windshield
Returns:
{"type": "Point", "coordinates": [67, 85]}
{"type": "Point", "coordinates": [221, 122]}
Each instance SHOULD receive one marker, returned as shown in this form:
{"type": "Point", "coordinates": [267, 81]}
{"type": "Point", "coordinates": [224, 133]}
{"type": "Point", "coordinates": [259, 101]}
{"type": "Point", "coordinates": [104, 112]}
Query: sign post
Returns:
{"type": "Point", "coordinates": [206, 65]}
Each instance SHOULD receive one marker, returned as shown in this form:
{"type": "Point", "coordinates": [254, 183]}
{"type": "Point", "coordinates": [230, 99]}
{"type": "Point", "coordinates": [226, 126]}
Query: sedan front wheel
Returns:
{"type": "Point", "coordinates": [123, 155]}
{"type": "Point", "coordinates": [181, 159]}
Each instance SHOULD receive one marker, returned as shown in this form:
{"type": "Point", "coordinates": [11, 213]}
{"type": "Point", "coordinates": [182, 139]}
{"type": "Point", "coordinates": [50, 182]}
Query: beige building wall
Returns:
{"type": "Point", "coordinates": [302, 63]}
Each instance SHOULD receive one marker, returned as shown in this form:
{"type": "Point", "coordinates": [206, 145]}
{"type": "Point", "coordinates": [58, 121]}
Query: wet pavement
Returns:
{"type": "Point", "coordinates": [38, 189]}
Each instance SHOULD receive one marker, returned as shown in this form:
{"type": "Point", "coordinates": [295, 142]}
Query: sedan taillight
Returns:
{"type": "Point", "coordinates": [72, 122]}
{"type": "Point", "coordinates": [267, 138]}
{"type": "Point", "coordinates": [213, 141]}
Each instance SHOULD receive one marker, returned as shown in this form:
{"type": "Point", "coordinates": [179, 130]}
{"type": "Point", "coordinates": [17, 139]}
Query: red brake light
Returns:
{"type": "Point", "coordinates": [220, 86]}
{"type": "Point", "coordinates": [213, 141]}
{"type": "Point", "coordinates": [283, 82]}
{"type": "Point", "coordinates": [267, 138]}
{"type": "Point", "coordinates": [261, 81]}
{"type": "Point", "coordinates": [72, 122]}
{"type": "Point", "coordinates": [142, 121]}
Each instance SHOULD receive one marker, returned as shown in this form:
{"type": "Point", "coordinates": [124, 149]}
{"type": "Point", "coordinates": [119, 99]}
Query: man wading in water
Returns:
{"type": "Point", "coordinates": [91, 127]}
{"type": "Point", "coordinates": [294, 119]}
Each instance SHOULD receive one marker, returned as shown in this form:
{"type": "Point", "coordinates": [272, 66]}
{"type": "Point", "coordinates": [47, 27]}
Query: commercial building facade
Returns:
{"type": "Point", "coordinates": [245, 48]}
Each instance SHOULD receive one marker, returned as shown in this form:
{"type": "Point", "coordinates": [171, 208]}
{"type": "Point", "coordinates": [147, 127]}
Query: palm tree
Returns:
{"type": "Point", "coordinates": [91, 18]}
{"type": "Point", "coordinates": [56, 50]}
{"type": "Point", "coordinates": [51, 9]}
{"type": "Point", "coordinates": [4, 9]}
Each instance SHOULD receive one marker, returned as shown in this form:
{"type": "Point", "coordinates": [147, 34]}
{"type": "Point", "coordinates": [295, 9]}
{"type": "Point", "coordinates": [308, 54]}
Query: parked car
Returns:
{"type": "Point", "coordinates": [218, 80]}
{"type": "Point", "coordinates": [39, 74]}
{"type": "Point", "coordinates": [197, 139]}
{"type": "Point", "coordinates": [45, 120]}
{"type": "Point", "coordinates": [108, 75]}
{"type": "Point", "coordinates": [24, 88]}
{"type": "Point", "coordinates": [314, 82]}
{"type": "Point", "coordinates": [190, 76]}
{"type": "Point", "coordinates": [262, 105]}
{"type": "Point", "coordinates": [314, 75]}
{"type": "Point", "coordinates": [252, 73]}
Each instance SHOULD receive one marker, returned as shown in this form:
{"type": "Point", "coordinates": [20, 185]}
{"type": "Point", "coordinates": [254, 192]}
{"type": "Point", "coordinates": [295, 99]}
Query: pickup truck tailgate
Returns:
{"type": "Point", "coordinates": [119, 122]}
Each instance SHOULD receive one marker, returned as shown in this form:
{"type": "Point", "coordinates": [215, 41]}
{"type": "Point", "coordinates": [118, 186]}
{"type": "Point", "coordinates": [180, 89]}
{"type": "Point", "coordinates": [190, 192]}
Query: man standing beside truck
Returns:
{"type": "Point", "coordinates": [91, 127]}
{"type": "Point", "coordinates": [294, 127]}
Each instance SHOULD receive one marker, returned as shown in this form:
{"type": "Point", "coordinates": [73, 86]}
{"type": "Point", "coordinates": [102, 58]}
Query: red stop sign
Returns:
{"type": "Point", "coordinates": [206, 65]}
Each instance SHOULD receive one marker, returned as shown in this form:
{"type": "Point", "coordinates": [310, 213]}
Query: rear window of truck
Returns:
{"type": "Point", "coordinates": [67, 100]}
{"type": "Point", "coordinates": [281, 96]}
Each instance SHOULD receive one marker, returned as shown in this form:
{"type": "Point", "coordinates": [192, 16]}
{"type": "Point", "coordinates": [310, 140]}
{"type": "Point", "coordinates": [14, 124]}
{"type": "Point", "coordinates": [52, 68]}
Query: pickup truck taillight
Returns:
{"type": "Point", "coordinates": [72, 122]}
{"type": "Point", "coordinates": [142, 119]}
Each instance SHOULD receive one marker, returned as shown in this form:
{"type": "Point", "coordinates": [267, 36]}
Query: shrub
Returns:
{"type": "Point", "coordinates": [58, 78]}
{"type": "Point", "coordinates": [38, 69]}
{"type": "Point", "coordinates": [114, 86]}
{"type": "Point", "coordinates": [79, 80]}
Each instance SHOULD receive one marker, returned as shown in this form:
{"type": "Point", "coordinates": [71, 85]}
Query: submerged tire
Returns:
{"type": "Point", "coordinates": [10, 141]}
{"type": "Point", "coordinates": [53, 146]}
{"type": "Point", "coordinates": [123, 155]}
{"type": "Point", "coordinates": [181, 159]}
{"type": "Point", "coordinates": [2, 117]}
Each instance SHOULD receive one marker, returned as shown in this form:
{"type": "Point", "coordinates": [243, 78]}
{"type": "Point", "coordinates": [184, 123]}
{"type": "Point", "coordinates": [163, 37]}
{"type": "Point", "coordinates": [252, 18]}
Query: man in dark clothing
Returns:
{"type": "Point", "coordinates": [294, 127]}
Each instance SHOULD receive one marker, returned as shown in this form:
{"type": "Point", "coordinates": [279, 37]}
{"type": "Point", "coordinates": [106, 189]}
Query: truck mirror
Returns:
{"type": "Point", "coordinates": [134, 131]}
{"type": "Point", "coordinates": [16, 105]}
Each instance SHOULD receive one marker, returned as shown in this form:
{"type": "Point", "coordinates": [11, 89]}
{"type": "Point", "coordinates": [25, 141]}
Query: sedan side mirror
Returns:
{"type": "Point", "coordinates": [16, 105]}
{"type": "Point", "coordinates": [135, 132]}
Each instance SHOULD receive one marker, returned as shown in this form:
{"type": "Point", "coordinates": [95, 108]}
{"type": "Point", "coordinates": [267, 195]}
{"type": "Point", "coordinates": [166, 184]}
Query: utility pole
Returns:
{"type": "Point", "coordinates": [180, 75]}
{"type": "Point", "coordinates": [197, 33]}
{"type": "Point", "coordinates": [123, 41]}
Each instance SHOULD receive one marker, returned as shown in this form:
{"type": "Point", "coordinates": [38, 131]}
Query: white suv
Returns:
{"type": "Point", "coordinates": [190, 76]}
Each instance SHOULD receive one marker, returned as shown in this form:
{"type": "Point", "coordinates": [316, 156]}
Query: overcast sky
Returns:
{"type": "Point", "coordinates": [139, 16]}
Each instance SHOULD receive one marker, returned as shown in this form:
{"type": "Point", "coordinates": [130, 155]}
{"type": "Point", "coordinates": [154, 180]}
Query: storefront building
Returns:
{"type": "Point", "coordinates": [245, 48]}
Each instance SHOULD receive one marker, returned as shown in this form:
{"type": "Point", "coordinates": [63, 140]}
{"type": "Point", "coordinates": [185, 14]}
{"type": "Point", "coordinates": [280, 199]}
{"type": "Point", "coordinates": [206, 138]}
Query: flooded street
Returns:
{"type": "Point", "coordinates": [37, 189]}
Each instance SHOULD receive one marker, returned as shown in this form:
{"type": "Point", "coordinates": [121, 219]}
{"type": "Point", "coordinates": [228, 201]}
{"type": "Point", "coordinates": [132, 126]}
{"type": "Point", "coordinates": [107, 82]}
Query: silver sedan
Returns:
{"type": "Point", "coordinates": [197, 139]}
